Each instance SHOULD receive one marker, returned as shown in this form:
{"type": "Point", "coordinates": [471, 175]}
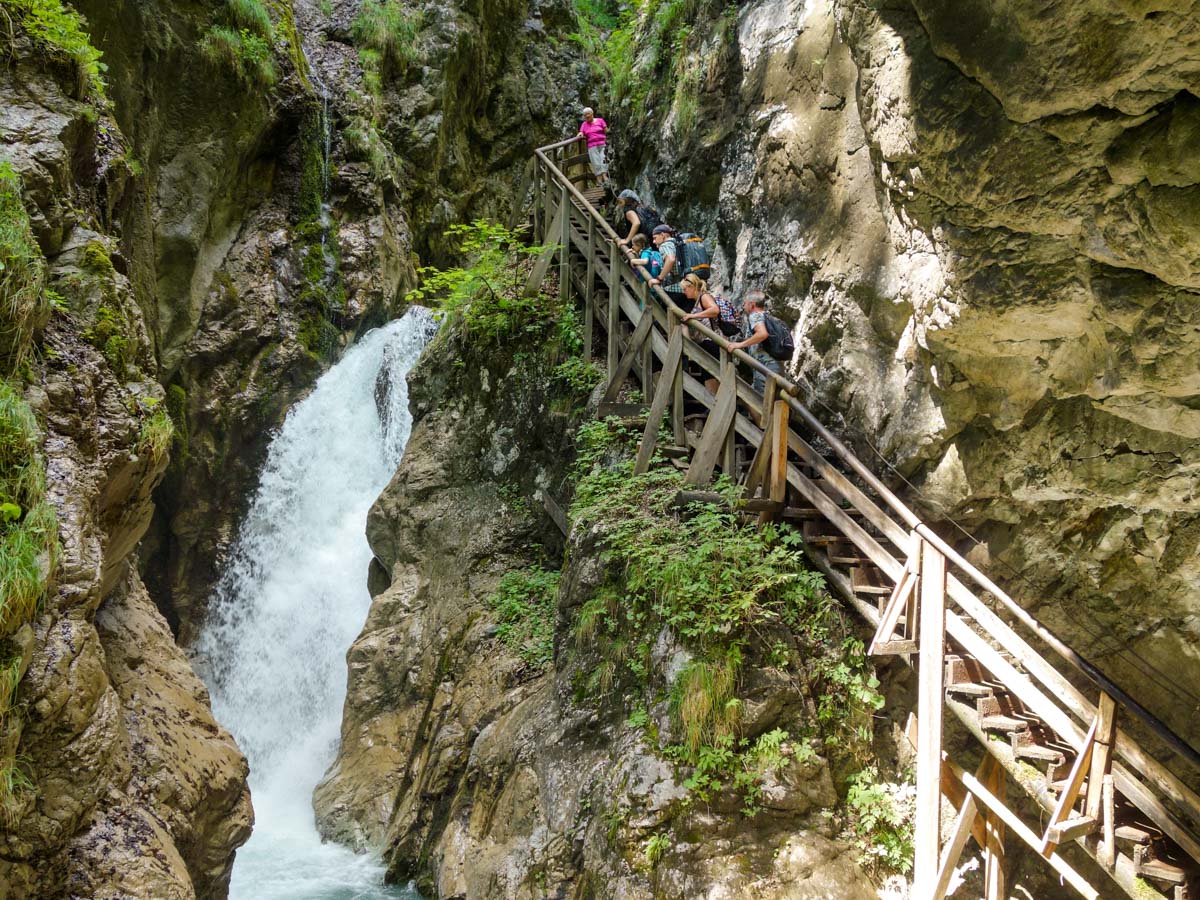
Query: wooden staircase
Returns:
{"type": "Point", "coordinates": [1048, 722]}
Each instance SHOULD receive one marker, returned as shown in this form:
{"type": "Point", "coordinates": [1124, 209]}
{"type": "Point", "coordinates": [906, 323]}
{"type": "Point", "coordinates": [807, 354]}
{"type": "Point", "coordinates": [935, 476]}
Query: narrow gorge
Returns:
{"type": "Point", "coordinates": [335, 562]}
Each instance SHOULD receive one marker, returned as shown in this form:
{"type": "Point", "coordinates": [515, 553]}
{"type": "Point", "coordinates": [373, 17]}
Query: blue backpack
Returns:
{"type": "Point", "coordinates": [654, 262]}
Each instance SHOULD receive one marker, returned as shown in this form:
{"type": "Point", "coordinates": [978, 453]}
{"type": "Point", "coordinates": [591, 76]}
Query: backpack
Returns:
{"type": "Point", "coordinates": [654, 262]}
{"type": "Point", "coordinates": [779, 344]}
{"type": "Point", "coordinates": [693, 255]}
{"type": "Point", "coordinates": [649, 218]}
{"type": "Point", "coordinates": [729, 313]}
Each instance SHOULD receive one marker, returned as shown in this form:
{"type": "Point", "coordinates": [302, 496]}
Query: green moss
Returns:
{"type": "Point", "coordinates": [177, 409]}
{"type": "Point", "coordinates": [108, 335]}
{"type": "Point", "coordinates": [312, 171]}
{"type": "Point", "coordinates": [96, 258]}
{"type": "Point", "coordinates": [23, 296]}
{"type": "Point", "coordinates": [60, 33]}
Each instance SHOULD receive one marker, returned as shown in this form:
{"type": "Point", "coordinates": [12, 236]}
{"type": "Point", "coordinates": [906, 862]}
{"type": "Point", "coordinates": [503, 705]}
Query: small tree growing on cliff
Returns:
{"type": "Point", "coordinates": [486, 294]}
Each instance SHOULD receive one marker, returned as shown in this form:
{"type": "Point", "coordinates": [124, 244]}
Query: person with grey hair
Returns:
{"type": "Point", "coordinates": [595, 131]}
{"type": "Point", "coordinates": [754, 308]}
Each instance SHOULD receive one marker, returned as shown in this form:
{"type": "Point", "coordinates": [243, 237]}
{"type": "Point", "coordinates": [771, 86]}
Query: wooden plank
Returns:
{"type": "Point", "coordinates": [519, 196]}
{"type": "Point", "coordinates": [1106, 727]}
{"type": "Point", "coordinates": [659, 405]}
{"type": "Point", "coordinates": [542, 265]}
{"type": "Point", "coordinates": [713, 439]}
{"type": "Point", "coordinates": [1070, 794]}
{"type": "Point", "coordinates": [930, 672]}
{"type": "Point", "coordinates": [992, 776]}
{"type": "Point", "coordinates": [1071, 829]}
{"type": "Point", "coordinates": [728, 458]}
{"type": "Point", "coordinates": [959, 835]}
{"type": "Point", "coordinates": [617, 376]}
{"type": "Point", "coordinates": [1107, 852]}
{"type": "Point", "coordinates": [897, 603]}
{"type": "Point", "coordinates": [1023, 831]}
{"type": "Point", "coordinates": [556, 513]}
{"type": "Point", "coordinates": [537, 200]}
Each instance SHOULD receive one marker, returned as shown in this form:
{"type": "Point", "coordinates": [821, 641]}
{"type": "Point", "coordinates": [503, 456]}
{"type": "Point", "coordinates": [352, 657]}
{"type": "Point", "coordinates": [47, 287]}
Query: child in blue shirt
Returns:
{"type": "Point", "coordinates": [648, 258]}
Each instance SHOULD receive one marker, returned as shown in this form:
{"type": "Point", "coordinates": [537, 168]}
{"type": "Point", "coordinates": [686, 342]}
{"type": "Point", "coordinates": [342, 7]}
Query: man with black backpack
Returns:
{"type": "Point", "coordinates": [642, 219]}
{"type": "Point", "coordinates": [767, 339]}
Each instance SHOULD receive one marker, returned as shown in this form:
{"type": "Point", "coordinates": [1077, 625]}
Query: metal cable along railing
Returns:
{"type": "Point", "coordinates": [1099, 785]}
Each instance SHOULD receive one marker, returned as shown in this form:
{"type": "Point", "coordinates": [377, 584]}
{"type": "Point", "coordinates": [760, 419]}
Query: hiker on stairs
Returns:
{"type": "Point", "coordinates": [704, 309]}
{"type": "Point", "coordinates": [754, 305]}
{"type": "Point", "coordinates": [669, 278]}
{"type": "Point", "coordinates": [595, 131]}
{"type": "Point", "coordinates": [642, 219]}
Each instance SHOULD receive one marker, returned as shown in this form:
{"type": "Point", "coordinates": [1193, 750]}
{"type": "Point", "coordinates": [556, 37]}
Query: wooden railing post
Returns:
{"type": "Point", "coordinates": [929, 719]}
{"type": "Point", "coordinates": [589, 292]}
{"type": "Point", "coordinates": [537, 201]}
{"type": "Point", "coordinates": [729, 373]}
{"type": "Point", "coordinates": [614, 310]}
{"type": "Point", "coordinates": [564, 266]}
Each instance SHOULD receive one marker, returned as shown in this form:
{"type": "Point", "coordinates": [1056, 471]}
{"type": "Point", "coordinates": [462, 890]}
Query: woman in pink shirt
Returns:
{"type": "Point", "coordinates": [595, 129]}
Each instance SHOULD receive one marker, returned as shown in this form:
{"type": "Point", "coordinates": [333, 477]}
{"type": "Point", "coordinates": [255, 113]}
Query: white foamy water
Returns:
{"type": "Point", "coordinates": [291, 602]}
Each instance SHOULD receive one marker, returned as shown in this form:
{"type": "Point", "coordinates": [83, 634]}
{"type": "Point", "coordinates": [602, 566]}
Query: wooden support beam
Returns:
{"type": "Point", "coordinates": [557, 514]}
{"type": "Point", "coordinates": [537, 201]}
{"type": "Point", "coordinates": [614, 309]}
{"type": "Point", "coordinates": [659, 405]}
{"type": "Point", "coordinates": [589, 292]}
{"type": "Point", "coordinates": [1107, 853]}
{"type": "Point", "coordinates": [986, 797]}
{"type": "Point", "coordinates": [542, 264]}
{"type": "Point", "coordinates": [720, 418]}
{"type": "Point", "coordinates": [616, 377]}
{"type": "Point", "coordinates": [901, 601]}
{"type": "Point", "coordinates": [1071, 829]}
{"type": "Point", "coordinates": [992, 776]}
{"type": "Point", "coordinates": [778, 459]}
{"type": "Point", "coordinates": [960, 833]}
{"type": "Point", "coordinates": [519, 197]}
{"type": "Point", "coordinates": [1066, 800]}
{"type": "Point", "coordinates": [929, 725]}
{"type": "Point", "coordinates": [564, 266]}
{"type": "Point", "coordinates": [1106, 730]}
{"type": "Point", "coordinates": [728, 459]}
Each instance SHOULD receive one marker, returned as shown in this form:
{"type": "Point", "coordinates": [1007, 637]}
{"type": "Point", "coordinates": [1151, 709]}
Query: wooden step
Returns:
{"type": "Point", "coordinates": [1133, 834]}
{"type": "Point", "coordinates": [869, 580]}
{"type": "Point", "coordinates": [815, 535]}
{"type": "Point", "coordinates": [1002, 723]}
{"type": "Point", "coordinates": [1026, 746]}
{"type": "Point", "coordinates": [1147, 866]}
{"type": "Point", "coordinates": [969, 689]}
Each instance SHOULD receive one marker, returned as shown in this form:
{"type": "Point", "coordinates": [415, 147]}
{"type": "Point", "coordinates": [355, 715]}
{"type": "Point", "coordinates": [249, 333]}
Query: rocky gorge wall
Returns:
{"type": "Point", "coordinates": [982, 219]}
{"type": "Point", "coordinates": [212, 236]}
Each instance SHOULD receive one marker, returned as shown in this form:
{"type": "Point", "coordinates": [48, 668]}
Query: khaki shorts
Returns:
{"type": "Point", "coordinates": [596, 158]}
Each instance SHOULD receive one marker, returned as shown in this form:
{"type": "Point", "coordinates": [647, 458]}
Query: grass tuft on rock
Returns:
{"type": "Point", "coordinates": [253, 16]}
{"type": "Point", "coordinates": [61, 34]}
{"type": "Point", "coordinates": [243, 52]}
{"type": "Point", "coordinates": [23, 298]}
{"type": "Point", "coordinates": [388, 29]}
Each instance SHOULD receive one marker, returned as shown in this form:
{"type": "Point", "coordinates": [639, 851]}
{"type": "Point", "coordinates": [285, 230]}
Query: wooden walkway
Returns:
{"type": "Point", "coordinates": [1049, 723]}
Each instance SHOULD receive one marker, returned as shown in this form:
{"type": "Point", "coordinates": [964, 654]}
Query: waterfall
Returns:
{"type": "Point", "coordinates": [292, 600]}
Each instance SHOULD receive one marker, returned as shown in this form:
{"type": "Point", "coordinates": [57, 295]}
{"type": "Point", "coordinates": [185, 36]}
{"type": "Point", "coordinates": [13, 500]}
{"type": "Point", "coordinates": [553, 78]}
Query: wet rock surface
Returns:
{"type": "Point", "coordinates": [981, 219]}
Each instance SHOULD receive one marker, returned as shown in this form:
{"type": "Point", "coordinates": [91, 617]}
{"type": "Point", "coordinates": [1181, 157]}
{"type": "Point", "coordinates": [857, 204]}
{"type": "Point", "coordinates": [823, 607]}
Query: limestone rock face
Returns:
{"type": "Point", "coordinates": [982, 219]}
{"type": "Point", "coordinates": [480, 777]}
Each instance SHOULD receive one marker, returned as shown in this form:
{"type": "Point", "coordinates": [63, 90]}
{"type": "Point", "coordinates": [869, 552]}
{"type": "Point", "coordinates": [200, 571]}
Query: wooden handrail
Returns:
{"type": "Point", "coordinates": [789, 389]}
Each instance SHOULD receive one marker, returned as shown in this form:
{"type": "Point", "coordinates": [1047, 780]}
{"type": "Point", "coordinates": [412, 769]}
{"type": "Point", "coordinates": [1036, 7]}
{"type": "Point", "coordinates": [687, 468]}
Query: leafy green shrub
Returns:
{"type": "Point", "coordinates": [177, 409]}
{"type": "Point", "coordinates": [525, 603]}
{"type": "Point", "coordinates": [246, 54]}
{"type": "Point", "coordinates": [252, 15]}
{"type": "Point", "coordinates": [486, 296]}
{"type": "Point", "coordinates": [61, 33]}
{"type": "Point", "coordinates": [880, 821]}
{"type": "Point", "coordinates": [23, 298]}
{"type": "Point", "coordinates": [386, 28]}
